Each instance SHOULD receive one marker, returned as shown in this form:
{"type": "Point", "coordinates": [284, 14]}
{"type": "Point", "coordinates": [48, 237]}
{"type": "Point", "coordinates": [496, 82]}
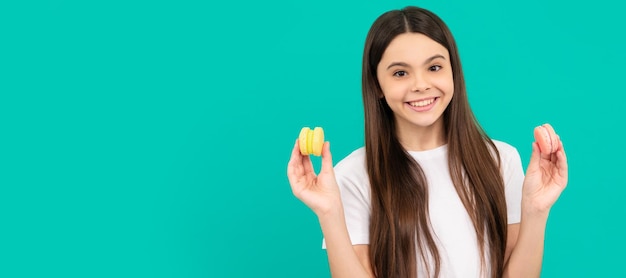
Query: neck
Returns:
{"type": "Point", "coordinates": [424, 138]}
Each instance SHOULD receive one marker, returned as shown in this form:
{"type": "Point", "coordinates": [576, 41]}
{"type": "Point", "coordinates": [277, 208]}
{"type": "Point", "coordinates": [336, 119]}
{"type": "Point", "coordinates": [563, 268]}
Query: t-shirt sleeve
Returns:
{"type": "Point", "coordinates": [355, 196]}
{"type": "Point", "coordinates": [513, 175]}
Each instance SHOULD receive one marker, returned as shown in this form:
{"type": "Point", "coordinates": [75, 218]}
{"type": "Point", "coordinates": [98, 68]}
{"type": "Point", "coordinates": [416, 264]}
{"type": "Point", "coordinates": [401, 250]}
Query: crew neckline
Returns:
{"type": "Point", "coordinates": [430, 153]}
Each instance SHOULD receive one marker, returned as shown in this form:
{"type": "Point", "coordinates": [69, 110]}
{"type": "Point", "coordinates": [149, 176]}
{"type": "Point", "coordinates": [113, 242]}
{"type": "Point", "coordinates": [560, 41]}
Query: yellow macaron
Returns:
{"type": "Point", "coordinates": [311, 141]}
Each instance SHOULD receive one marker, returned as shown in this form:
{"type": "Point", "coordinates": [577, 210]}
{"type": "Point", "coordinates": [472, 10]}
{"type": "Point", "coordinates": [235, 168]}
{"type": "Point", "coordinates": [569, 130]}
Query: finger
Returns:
{"type": "Point", "coordinates": [543, 154]}
{"type": "Point", "coordinates": [535, 158]}
{"type": "Point", "coordinates": [562, 149]}
{"type": "Point", "coordinates": [542, 137]}
{"type": "Point", "coordinates": [307, 164]}
{"type": "Point", "coordinates": [327, 159]}
{"type": "Point", "coordinates": [559, 144]}
{"type": "Point", "coordinates": [561, 163]}
{"type": "Point", "coordinates": [294, 167]}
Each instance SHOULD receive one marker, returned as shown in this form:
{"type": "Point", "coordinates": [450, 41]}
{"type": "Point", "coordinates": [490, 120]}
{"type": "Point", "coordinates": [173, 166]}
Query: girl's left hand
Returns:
{"type": "Point", "coordinates": [546, 176]}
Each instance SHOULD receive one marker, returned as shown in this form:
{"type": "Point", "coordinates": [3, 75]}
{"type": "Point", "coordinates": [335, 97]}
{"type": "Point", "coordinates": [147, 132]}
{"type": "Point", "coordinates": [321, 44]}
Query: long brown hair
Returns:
{"type": "Point", "coordinates": [400, 226]}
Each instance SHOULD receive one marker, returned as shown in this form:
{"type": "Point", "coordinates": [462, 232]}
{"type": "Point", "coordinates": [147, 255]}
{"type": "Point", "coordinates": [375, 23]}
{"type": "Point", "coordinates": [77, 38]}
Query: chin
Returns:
{"type": "Point", "coordinates": [424, 123]}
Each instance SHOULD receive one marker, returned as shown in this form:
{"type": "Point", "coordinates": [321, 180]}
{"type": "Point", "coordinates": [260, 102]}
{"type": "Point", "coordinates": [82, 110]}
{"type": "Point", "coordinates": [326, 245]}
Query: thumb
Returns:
{"type": "Point", "coordinates": [535, 157]}
{"type": "Point", "coordinates": [327, 158]}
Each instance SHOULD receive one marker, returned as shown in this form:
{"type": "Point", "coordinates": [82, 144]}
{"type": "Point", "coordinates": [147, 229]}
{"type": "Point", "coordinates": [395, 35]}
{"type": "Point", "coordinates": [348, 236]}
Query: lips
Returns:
{"type": "Point", "coordinates": [422, 105]}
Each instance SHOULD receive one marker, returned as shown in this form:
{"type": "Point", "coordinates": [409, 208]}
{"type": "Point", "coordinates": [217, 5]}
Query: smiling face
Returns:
{"type": "Point", "coordinates": [415, 76]}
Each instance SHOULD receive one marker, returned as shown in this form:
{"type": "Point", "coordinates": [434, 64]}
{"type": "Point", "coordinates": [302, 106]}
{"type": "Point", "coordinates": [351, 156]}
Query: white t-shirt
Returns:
{"type": "Point", "coordinates": [451, 224]}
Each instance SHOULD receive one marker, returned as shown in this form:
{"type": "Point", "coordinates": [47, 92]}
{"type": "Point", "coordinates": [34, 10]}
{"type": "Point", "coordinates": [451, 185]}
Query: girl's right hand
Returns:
{"type": "Point", "coordinates": [318, 192]}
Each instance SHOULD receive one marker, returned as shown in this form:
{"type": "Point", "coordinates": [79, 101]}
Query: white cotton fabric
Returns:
{"type": "Point", "coordinates": [451, 224]}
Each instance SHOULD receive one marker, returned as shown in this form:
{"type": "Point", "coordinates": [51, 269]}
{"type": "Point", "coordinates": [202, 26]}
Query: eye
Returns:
{"type": "Point", "coordinates": [400, 73]}
{"type": "Point", "coordinates": [434, 68]}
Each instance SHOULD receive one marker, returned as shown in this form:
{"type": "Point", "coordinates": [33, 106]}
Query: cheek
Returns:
{"type": "Point", "coordinates": [446, 84]}
{"type": "Point", "coordinates": [393, 90]}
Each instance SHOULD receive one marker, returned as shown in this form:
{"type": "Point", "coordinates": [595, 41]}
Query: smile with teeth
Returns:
{"type": "Point", "coordinates": [422, 103]}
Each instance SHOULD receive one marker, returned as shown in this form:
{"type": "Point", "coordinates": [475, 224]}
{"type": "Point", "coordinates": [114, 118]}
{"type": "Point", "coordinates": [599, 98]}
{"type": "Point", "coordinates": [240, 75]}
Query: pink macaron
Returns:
{"type": "Point", "coordinates": [546, 138]}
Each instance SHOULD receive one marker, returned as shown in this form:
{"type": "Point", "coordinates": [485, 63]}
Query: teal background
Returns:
{"type": "Point", "coordinates": [150, 138]}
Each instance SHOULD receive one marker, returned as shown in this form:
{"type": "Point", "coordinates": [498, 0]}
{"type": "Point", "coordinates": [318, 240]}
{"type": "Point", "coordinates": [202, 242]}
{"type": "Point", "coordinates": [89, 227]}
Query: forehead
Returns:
{"type": "Point", "coordinates": [413, 47]}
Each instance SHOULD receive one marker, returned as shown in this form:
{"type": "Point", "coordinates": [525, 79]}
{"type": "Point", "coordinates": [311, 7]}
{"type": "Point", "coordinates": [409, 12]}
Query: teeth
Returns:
{"type": "Point", "coordinates": [422, 102]}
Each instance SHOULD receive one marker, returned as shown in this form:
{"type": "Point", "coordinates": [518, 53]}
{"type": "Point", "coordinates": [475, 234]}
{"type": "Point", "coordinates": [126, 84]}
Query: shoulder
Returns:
{"type": "Point", "coordinates": [354, 162]}
{"type": "Point", "coordinates": [351, 172]}
{"type": "Point", "coordinates": [506, 150]}
{"type": "Point", "coordinates": [510, 161]}
{"type": "Point", "coordinates": [513, 178]}
{"type": "Point", "coordinates": [504, 146]}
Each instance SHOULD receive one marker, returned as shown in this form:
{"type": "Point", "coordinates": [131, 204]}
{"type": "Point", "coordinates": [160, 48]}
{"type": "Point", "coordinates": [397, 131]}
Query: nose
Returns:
{"type": "Point", "coordinates": [420, 83]}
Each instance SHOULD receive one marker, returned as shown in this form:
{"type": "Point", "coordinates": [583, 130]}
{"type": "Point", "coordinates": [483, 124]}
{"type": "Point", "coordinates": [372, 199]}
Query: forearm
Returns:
{"type": "Point", "coordinates": [527, 256]}
{"type": "Point", "coordinates": [342, 258]}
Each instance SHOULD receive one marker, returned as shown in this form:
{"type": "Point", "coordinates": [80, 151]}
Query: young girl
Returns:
{"type": "Point", "coordinates": [430, 195]}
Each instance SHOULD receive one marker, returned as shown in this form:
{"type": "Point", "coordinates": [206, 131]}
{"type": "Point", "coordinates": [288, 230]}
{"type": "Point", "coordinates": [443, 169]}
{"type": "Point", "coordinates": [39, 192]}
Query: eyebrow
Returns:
{"type": "Point", "coordinates": [403, 64]}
